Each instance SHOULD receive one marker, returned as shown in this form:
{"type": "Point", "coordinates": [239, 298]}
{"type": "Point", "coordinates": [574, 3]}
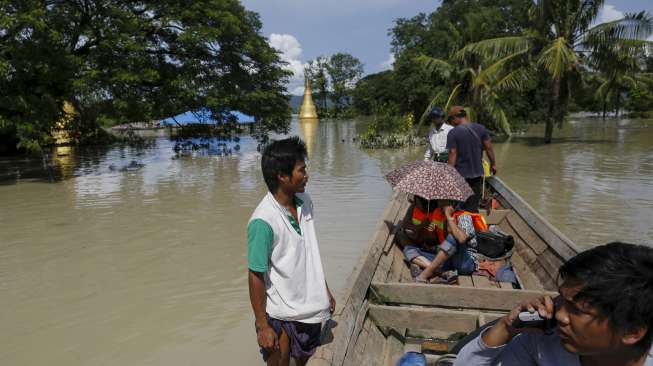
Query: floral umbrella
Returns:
{"type": "Point", "coordinates": [430, 180]}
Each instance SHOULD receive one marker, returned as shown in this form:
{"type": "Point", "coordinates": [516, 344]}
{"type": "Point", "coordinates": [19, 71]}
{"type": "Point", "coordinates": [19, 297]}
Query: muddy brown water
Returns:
{"type": "Point", "coordinates": [125, 256]}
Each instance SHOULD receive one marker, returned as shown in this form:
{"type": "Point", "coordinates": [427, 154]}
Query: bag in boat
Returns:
{"type": "Point", "coordinates": [494, 244]}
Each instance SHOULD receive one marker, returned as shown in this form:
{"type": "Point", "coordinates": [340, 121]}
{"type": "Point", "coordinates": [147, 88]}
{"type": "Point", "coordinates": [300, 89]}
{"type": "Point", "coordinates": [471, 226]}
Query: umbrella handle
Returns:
{"type": "Point", "coordinates": [483, 189]}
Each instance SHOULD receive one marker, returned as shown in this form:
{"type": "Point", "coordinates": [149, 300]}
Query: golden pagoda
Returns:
{"type": "Point", "coordinates": [307, 110]}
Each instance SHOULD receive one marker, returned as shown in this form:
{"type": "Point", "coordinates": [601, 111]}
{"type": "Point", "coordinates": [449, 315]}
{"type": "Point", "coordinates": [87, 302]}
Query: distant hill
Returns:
{"type": "Point", "coordinates": [296, 102]}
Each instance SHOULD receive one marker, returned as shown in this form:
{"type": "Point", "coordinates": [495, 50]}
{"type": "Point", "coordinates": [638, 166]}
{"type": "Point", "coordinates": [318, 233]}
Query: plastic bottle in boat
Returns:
{"type": "Point", "coordinates": [412, 359]}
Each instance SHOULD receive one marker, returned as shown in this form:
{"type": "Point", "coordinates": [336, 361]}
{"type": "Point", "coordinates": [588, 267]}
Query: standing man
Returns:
{"type": "Point", "coordinates": [287, 288]}
{"type": "Point", "coordinates": [437, 149]}
{"type": "Point", "coordinates": [466, 142]}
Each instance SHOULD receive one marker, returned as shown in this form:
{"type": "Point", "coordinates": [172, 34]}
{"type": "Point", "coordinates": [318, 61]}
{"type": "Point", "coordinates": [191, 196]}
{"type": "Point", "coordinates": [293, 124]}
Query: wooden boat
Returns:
{"type": "Point", "coordinates": [383, 313]}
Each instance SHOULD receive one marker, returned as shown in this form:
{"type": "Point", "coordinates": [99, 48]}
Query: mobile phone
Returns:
{"type": "Point", "coordinates": [527, 319]}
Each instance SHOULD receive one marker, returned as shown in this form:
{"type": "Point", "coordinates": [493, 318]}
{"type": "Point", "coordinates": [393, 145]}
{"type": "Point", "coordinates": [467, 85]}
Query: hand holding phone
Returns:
{"type": "Point", "coordinates": [536, 314]}
{"type": "Point", "coordinates": [527, 319]}
{"type": "Point", "coordinates": [533, 316]}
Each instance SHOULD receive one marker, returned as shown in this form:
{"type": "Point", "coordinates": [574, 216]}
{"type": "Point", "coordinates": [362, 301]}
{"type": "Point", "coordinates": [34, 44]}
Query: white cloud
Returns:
{"type": "Point", "coordinates": [387, 64]}
{"type": "Point", "coordinates": [288, 45]}
{"type": "Point", "coordinates": [609, 13]}
{"type": "Point", "coordinates": [291, 51]}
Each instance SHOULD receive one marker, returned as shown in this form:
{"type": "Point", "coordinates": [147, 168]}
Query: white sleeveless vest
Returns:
{"type": "Point", "coordinates": [295, 285]}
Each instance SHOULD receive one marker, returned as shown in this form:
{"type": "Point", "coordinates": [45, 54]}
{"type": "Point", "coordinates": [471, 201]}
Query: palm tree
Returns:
{"type": "Point", "coordinates": [477, 84]}
{"type": "Point", "coordinates": [621, 72]}
{"type": "Point", "coordinates": [561, 41]}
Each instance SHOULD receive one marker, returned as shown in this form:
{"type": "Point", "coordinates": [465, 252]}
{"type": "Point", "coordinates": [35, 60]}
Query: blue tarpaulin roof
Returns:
{"type": "Point", "coordinates": [203, 116]}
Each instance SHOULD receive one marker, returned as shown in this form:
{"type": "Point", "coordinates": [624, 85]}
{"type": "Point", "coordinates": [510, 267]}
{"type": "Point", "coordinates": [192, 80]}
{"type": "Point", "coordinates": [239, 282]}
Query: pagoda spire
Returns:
{"type": "Point", "coordinates": [307, 110]}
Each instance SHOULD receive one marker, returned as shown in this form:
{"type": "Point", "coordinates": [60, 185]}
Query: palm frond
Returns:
{"type": "Point", "coordinates": [496, 70]}
{"type": "Point", "coordinates": [543, 16]}
{"type": "Point", "coordinates": [469, 72]}
{"type": "Point", "coordinates": [645, 78]}
{"type": "Point", "coordinates": [603, 91]}
{"type": "Point", "coordinates": [632, 26]}
{"type": "Point", "coordinates": [495, 48]}
{"type": "Point", "coordinates": [515, 80]}
{"type": "Point", "coordinates": [454, 94]}
{"type": "Point", "coordinates": [437, 99]}
{"type": "Point", "coordinates": [435, 66]}
{"type": "Point", "coordinates": [558, 58]}
{"type": "Point", "coordinates": [498, 114]}
{"type": "Point", "coordinates": [585, 16]}
{"type": "Point", "coordinates": [471, 113]}
{"type": "Point", "coordinates": [630, 82]}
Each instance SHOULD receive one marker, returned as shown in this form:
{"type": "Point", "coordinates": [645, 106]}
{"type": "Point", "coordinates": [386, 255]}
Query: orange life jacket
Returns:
{"type": "Point", "coordinates": [477, 219]}
{"type": "Point", "coordinates": [436, 216]}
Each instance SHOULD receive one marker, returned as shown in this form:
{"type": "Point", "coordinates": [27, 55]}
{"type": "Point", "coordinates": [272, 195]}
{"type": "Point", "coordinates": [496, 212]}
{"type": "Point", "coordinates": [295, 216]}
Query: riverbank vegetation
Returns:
{"type": "Point", "coordinates": [514, 63]}
{"type": "Point", "coordinates": [116, 61]}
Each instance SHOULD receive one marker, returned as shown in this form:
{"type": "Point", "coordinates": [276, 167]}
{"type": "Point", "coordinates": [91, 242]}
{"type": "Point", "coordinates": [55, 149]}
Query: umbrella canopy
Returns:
{"type": "Point", "coordinates": [430, 180]}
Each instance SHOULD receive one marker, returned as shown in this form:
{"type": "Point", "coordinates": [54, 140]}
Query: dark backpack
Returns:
{"type": "Point", "coordinates": [494, 244]}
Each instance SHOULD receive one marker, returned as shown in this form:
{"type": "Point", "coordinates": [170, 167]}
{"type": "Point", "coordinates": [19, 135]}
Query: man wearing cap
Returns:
{"type": "Point", "coordinates": [466, 142]}
{"type": "Point", "coordinates": [437, 147]}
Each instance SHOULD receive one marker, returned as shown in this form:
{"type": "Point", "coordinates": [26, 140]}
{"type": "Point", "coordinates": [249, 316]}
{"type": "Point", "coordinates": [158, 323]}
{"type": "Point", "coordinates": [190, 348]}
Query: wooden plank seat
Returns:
{"type": "Point", "coordinates": [454, 296]}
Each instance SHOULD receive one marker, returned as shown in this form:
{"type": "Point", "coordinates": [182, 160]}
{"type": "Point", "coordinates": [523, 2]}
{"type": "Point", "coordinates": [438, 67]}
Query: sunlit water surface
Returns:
{"type": "Point", "coordinates": [125, 256]}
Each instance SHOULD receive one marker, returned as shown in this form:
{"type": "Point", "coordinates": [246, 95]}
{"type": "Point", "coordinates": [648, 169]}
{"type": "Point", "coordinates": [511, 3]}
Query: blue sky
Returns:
{"type": "Point", "coordinates": [305, 29]}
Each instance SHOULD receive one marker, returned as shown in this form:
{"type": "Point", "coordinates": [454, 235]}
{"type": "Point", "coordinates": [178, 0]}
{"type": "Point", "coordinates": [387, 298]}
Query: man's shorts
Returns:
{"type": "Point", "coordinates": [304, 337]}
{"type": "Point", "coordinates": [412, 252]}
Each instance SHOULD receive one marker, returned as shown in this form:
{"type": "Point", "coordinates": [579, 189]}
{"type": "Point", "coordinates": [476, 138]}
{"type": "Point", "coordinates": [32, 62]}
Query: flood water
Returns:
{"type": "Point", "coordinates": [126, 256]}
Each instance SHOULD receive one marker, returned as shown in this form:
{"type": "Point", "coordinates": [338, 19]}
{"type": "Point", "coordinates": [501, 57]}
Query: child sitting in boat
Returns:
{"type": "Point", "coordinates": [436, 238]}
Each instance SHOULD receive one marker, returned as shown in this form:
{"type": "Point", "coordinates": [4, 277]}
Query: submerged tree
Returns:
{"type": "Point", "coordinates": [344, 71]}
{"type": "Point", "coordinates": [562, 40]}
{"type": "Point", "coordinates": [620, 72]}
{"type": "Point", "coordinates": [133, 61]}
{"type": "Point", "coordinates": [318, 72]}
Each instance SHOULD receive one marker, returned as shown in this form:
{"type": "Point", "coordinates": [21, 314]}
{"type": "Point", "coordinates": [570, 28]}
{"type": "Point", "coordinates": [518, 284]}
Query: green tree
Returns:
{"type": "Point", "coordinates": [620, 73]}
{"type": "Point", "coordinates": [560, 41]}
{"type": "Point", "coordinates": [476, 84]}
{"type": "Point", "coordinates": [132, 61]}
{"type": "Point", "coordinates": [318, 72]}
{"type": "Point", "coordinates": [584, 97]}
{"type": "Point", "coordinates": [344, 71]}
{"type": "Point", "coordinates": [440, 35]}
{"type": "Point", "coordinates": [374, 90]}
{"type": "Point", "coordinates": [641, 100]}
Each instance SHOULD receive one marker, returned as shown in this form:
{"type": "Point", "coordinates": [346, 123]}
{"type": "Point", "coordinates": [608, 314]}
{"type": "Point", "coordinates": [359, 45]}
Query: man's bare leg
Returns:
{"type": "Point", "coordinates": [281, 357]}
{"type": "Point", "coordinates": [421, 261]}
{"type": "Point", "coordinates": [430, 270]}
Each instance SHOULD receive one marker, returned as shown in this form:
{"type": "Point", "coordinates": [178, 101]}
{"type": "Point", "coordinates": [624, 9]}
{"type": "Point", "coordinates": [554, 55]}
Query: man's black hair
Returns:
{"type": "Point", "coordinates": [280, 157]}
{"type": "Point", "coordinates": [616, 279]}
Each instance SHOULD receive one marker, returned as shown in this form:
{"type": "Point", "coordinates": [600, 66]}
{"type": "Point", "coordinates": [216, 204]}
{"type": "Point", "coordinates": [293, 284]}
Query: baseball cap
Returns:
{"type": "Point", "coordinates": [436, 112]}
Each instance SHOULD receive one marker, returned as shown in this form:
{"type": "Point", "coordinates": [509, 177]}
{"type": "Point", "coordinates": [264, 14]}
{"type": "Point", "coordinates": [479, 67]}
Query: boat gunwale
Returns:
{"type": "Point", "coordinates": [536, 221]}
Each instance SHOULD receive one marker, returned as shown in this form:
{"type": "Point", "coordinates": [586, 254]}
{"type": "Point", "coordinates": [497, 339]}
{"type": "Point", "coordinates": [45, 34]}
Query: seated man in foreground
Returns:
{"type": "Point", "coordinates": [603, 316]}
